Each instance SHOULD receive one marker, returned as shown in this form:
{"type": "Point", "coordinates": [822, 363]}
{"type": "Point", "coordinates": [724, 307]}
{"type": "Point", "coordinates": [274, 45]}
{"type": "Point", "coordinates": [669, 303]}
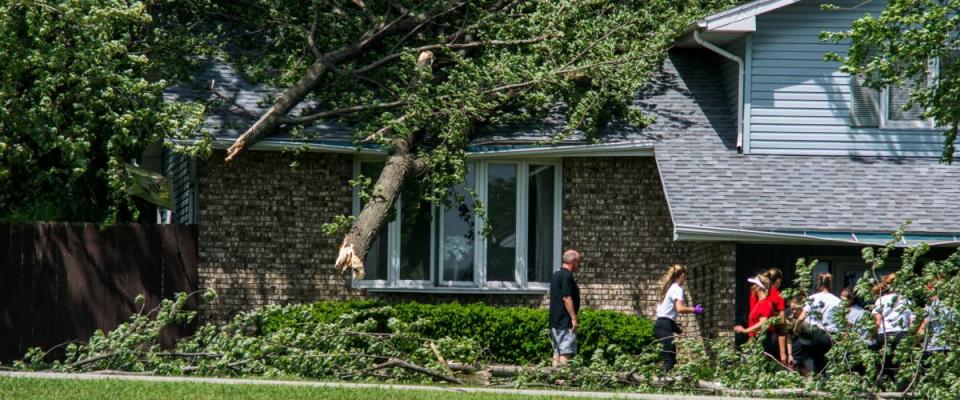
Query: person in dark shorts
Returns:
{"type": "Point", "coordinates": [665, 328]}
{"type": "Point", "coordinates": [564, 305]}
{"type": "Point", "coordinates": [818, 313]}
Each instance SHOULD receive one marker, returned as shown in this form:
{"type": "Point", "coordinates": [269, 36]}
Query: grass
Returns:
{"type": "Point", "coordinates": [57, 389]}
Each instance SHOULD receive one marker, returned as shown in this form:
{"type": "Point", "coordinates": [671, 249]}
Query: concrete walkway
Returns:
{"type": "Point", "coordinates": [452, 389]}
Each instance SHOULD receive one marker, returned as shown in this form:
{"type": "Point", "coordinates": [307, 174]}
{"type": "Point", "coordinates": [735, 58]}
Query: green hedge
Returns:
{"type": "Point", "coordinates": [515, 335]}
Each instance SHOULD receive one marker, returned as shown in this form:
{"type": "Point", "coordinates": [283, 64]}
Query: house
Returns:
{"type": "Point", "coordinates": [762, 152]}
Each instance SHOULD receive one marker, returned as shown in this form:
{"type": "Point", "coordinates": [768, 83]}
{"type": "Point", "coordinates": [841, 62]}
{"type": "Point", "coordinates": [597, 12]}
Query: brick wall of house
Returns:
{"type": "Point", "coordinates": [712, 269]}
{"type": "Point", "coordinates": [260, 239]}
{"type": "Point", "coordinates": [614, 210]}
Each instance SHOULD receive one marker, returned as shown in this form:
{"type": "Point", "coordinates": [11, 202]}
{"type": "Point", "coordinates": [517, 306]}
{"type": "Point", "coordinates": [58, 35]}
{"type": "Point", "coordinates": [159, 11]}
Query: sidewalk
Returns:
{"type": "Point", "coordinates": [227, 381]}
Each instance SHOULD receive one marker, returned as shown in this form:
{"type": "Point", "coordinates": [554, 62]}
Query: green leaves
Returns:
{"type": "Point", "coordinates": [911, 41]}
{"type": "Point", "coordinates": [515, 335]}
{"type": "Point", "coordinates": [493, 63]}
{"type": "Point", "coordinates": [79, 98]}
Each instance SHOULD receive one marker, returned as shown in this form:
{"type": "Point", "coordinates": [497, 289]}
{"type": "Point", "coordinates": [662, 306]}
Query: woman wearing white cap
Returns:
{"type": "Point", "coordinates": [759, 314]}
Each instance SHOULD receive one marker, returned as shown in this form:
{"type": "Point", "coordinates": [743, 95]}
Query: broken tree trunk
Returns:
{"type": "Point", "coordinates": [374, 216]}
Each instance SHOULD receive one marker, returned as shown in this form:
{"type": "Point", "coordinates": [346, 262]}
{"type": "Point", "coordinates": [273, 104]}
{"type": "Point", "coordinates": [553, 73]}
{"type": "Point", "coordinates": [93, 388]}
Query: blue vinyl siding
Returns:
{"type": "Point", "coordinates": [729, 69]}
{"type": "Point", "coordinates": [800, 104]}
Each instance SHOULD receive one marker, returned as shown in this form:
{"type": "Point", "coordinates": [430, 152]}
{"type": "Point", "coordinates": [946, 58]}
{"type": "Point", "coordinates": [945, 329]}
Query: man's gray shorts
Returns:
{"type": "Point", "coordinates": [564, 341]}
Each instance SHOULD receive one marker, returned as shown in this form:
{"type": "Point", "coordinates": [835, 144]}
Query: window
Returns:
{"type": "Point", "coordinates": [446, 247]}
{"type": "Point", "coordinates": [874, 108]}
{"type": "Point", "coordinates": [846, 273]}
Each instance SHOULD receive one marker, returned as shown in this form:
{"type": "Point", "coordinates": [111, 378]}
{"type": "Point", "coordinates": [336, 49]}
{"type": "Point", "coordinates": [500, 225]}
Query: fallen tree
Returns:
{"type": "Point", "coordinates": [421, 78]}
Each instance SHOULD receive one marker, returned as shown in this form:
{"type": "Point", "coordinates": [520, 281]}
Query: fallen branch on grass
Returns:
{"type": "Point", "coordinates": [121, 373]}
{"type": "Point", "coordinates": [92, 360]}
{"type": "Point", "coordinates": [395, 362]}
{"type": "Point", "coordinates": [719, 388]}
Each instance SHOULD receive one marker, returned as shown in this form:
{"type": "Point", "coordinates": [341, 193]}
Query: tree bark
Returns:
{"type": "Point", "coordinates": [374, 216]}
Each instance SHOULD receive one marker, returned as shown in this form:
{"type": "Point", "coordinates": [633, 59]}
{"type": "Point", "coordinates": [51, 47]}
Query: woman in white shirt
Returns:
{"type": "Point", "coordinates": [665, 328]}
{"type": "Point", "coordinates": [819, 313]}
{"type": "Point", "coordinates": [894, 318]}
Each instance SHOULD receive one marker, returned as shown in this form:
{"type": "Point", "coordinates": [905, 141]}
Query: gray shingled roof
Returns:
{"type": "Point", "coordinates": [709, 184]}
{"type": "Point", "coordinates": [238, 103]}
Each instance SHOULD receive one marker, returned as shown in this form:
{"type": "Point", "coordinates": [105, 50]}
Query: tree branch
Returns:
{"type": "Point", "coordinates": [395, 362]}
{"type": "Point", "coordinates": [92, 360]}
{"type": "Point", "coordinates": [270, 119]}
{"type": "Point", "coordinates": [594, 44]}
{"type": "Point", "coordinates": [562, 71]}
{"type": "Point", "coordinates": [235, 108]}
{"type": "Point", "coordinates": [313, 31]}
{"type": "Point", "coordinates": [452, 46]}
{"type": "Point", "coordinates": [341, 111]}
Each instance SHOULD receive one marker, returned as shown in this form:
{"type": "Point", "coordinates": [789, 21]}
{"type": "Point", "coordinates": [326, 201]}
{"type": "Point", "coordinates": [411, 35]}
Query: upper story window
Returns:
{"type": "Point", "coordinates": [446, 246]}
{"type": "Point", "coordinates": [885, 108]}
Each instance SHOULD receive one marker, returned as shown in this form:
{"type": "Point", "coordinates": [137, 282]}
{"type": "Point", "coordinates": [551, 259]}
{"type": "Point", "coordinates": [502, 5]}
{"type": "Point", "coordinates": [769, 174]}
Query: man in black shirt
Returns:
{"type": "Point", "coordinates": [564, 305]}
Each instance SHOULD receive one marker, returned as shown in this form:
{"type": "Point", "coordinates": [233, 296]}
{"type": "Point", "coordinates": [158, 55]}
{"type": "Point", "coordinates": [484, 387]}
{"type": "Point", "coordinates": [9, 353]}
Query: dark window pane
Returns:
{"type": "Point", "coordinates": [502, 217]}
{"type": "Point", "coordinates": [540, 228]}
{"type": "Point", "coordinates": [414, 233]}
{"type": "Point", "coordinates": [458, 233]}
{"type": "Point", "coordinates": [375, 263]}
{"type": "Point", "coordinates": [898, 97]}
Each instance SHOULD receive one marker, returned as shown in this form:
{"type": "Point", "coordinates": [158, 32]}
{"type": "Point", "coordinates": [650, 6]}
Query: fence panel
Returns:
{"type": "Point", "coordinates": [61, 282]}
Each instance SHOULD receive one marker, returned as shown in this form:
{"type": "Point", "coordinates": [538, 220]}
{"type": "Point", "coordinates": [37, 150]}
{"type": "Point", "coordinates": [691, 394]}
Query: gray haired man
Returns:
{"type": "Point", "coordinates": [564, 305]}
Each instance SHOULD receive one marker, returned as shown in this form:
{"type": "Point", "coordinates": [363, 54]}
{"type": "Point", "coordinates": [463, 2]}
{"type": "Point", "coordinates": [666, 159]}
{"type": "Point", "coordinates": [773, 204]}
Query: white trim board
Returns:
{"type": "Point", "coordinates": [627, 149]}
{"type": "Point", "coordinates": [741, 18]}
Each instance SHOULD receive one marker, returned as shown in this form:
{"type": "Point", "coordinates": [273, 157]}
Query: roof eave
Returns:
{"type": "Point", "coordinates": [742, 18]}
{"type": "Point", "coordinates": [279, 145]}
{"type": "Point", "coordinates": [626, 149]}
{"type": "Point", "coordinates": [696, 233]}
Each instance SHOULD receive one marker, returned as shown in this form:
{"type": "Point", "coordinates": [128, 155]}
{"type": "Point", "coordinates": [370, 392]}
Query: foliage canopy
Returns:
{"type": "Point", "coordinates": [911, 41]}
{"type": "Point", "coordinates": [81, 92]}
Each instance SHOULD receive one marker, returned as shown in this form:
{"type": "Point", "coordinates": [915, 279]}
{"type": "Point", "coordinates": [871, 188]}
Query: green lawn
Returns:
{"type": "Point", "coordinates": [59, 389]}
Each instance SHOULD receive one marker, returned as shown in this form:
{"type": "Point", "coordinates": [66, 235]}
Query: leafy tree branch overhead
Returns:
{"type": "Point", "coordinates": [913, 43]}
{"type": "Point", "coordinates": [419, 77]}
{"type": "Point", "coordinates": [81, 93]}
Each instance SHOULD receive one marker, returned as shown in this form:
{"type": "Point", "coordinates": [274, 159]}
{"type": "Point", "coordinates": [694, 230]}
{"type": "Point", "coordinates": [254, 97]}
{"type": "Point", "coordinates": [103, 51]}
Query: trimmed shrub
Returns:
{"type": "Point", "coordinates": [514, 335]}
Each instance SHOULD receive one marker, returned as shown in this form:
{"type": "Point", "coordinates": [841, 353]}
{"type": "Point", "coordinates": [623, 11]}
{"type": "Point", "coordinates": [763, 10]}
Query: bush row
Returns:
{"type": "Point", "coordinates": [515, 335]}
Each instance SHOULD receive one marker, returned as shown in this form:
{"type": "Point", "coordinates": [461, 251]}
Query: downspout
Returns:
{"type": "Point", "coordinates": [740, 69]}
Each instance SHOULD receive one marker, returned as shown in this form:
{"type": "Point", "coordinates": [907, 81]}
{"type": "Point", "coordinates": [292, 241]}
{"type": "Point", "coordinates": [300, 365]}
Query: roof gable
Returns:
{"type": "Point", "coordinates": [741, 18]}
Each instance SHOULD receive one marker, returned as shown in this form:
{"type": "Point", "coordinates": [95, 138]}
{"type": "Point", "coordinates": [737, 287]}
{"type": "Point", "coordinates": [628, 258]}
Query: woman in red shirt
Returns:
{"type": "Point", "coordinates": [775, 277]}
{"type": "Point", "coordinates": [763, 310]}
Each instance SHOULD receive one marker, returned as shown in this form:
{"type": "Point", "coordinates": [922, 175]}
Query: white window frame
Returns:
{"type": "Point", "coordinates": [886, 122]}
{"type": "Point", "coordinates": [393, 242]}
{"type": "Point", "coordinates": [437, 247]}
{"type": "Point", "coordinates": [480, 282]}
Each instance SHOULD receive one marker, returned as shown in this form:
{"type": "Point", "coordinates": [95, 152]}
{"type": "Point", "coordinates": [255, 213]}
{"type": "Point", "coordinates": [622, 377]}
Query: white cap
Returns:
{"type": "Point", "coordinates": [757, 282]}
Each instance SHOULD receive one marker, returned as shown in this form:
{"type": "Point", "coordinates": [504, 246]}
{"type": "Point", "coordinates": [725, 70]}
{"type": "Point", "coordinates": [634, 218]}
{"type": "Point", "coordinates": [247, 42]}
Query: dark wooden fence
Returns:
{"type": "Point", "coordinates": [61, 282]}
